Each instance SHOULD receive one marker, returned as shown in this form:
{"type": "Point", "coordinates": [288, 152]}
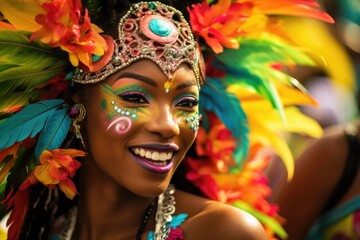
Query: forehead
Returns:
{"type": "Point", "coordinates": [184, 74]}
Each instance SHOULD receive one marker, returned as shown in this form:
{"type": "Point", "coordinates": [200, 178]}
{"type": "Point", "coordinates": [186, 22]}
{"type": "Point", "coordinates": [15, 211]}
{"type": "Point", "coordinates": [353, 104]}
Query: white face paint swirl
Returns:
{"type": "Point", "coordinates": [121, 125]}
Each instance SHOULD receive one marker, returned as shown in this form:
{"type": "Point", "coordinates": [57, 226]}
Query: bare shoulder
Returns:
{"type": "Point", "coordinates": [214, 220]}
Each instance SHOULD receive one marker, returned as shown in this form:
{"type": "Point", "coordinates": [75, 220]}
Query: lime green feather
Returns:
{"type": "Point", "coordinates": [16, 101]}
{"type": "Point", "coordinates": [25, 78]}
{"type": "Point", "coordinates": [26, 64]}
{"type": "Point", "coordinates": [251, 66]}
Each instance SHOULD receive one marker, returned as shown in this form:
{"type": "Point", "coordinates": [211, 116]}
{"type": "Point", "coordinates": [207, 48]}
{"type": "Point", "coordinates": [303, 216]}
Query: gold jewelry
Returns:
{"type": "Point", "coordinates": [80, 112]}
{"type": "Point", "coordinates": [149, 30]}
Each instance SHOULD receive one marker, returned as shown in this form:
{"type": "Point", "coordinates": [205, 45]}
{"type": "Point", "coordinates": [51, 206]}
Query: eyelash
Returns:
{"type": "Point", "coordinates": [134, 97]}
{"type": "Point", "coordinates": [139, 97]}
{"type": "Point", "coordinates": [187, 102]}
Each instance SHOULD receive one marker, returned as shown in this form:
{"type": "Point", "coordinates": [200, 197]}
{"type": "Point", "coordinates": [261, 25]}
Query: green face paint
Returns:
{"type": "Point", "coordinates": [111, 105]}
{"type": "Point", "coordinates": [189, 110]}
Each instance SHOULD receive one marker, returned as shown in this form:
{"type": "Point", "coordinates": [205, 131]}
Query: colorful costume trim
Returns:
{"type": "Point", "coordinates": [175, 230]}
{"type": "Point", "coordinates": [340, 223]}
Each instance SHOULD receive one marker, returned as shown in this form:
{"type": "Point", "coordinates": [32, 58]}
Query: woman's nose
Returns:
{"type": "Point", "coordinates": [164, 123]}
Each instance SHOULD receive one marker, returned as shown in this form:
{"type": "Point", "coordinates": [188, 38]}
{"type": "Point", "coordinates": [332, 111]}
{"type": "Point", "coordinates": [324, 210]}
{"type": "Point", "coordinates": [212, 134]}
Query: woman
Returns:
{"type": "Point", "coordinates": [326, 180]}
{"type": "Point", "coordinates": [133, 110]}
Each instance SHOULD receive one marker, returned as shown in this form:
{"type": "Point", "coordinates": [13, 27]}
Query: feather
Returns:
{"type": "Point", "coordinates": [25, 78]}
{"type": "Point", "coordinates": [4, 25]}
{"type": "Point", "coordinates": [293, 8]}
{"type": "Point", "coordinates": [21, 14]}
{"type": "Point", "coordinates": [26, 64]}
{"type": "Point", "coordinates": [26, 123]}
{"type": "Point", "coordinates": [54, 132]}
{"type": "Point", "coordinates": [6, 168]}
{"type": "Point", "coordinates": [9, 151]}
{"type": "Point", "coordinates": [251, 67]}
{"type": "Point", "coordinates": [263, 51]}
{"type": "Point", "coordinates": [16, 101]}
{"type": "Point", "coordinates": [229, 111]}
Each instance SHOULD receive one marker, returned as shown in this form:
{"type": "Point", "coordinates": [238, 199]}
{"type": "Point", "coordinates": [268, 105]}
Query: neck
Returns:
{"type": "Point", "coordinates": [106, 210]}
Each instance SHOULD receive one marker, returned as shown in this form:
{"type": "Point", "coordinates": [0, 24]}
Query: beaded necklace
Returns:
{"type": "Point", "coordinates": [165, 208]}
{"type": "Point", "coordinates": [148, 212]}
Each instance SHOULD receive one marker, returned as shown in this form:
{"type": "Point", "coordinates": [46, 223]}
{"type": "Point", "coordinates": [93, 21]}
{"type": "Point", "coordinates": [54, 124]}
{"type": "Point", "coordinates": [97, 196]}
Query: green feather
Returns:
{"type": "Point", "coordinates": [17, 99]}
{"type": "Point", "coordinates": [26, 64]}
{"type": "Point", "coordinates": [250, 66]}
{"type": "Point", "coordinates": [25, 78]}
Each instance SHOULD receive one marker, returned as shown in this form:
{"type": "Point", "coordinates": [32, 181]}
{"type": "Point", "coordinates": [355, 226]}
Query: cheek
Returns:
{"type": "Point", "coordinates": [119, 120]}
{"type": "Point", "coordinates": [189, 123]}
{"type": "Point", "coordinates": [119, 125]}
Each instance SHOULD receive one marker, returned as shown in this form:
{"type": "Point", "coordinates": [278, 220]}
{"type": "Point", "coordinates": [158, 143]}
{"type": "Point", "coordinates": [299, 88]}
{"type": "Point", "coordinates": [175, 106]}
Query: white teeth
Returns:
{"type": "Point", "coordinates": [153, 155]}
{"type": "Point", "coordinates": [162, 156]}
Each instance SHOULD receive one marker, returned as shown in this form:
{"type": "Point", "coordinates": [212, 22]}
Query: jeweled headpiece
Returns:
{"type": "Point", "coordinates": [149, 30]}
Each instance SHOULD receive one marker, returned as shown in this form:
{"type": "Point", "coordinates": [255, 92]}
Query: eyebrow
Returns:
{"type": "Point", "coordinates": [185, 85]}
{"type": "Point", "coordinates": [152, 82]}
{"type": "Point", "coordinates": [138, 77]}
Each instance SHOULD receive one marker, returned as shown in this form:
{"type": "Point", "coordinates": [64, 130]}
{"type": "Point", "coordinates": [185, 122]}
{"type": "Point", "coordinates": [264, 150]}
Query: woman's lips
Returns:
{"type": "Point", "coordinates": [157, 160]}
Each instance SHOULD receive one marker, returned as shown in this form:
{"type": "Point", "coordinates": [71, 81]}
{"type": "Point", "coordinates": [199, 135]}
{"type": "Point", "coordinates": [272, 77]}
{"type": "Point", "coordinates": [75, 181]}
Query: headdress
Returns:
{"type": "Point", "coordinates": [152, 31]}
{"type": "Point", "coordinates": [246, 102]}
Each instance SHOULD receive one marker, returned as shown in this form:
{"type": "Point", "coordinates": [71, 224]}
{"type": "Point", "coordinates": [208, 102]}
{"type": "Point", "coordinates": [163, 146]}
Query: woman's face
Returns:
{"type": "Point", "coordinates": [137, 133]}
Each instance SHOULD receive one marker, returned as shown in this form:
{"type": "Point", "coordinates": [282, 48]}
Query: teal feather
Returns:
{"type": "Point", "coordinates": [54, 133]}
{"type": "Point", "coordinates": [26, 123]}
{"type": "Point", "coordinates": [228, 109]}
{"type": "Point", "coordinates": [249, 78]}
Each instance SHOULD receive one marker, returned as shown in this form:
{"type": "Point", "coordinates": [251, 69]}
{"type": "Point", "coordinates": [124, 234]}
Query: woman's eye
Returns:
{"type": "Point", "coordinates": [187, 102]}
{"type": "Point", "coordinates": [134, 97]}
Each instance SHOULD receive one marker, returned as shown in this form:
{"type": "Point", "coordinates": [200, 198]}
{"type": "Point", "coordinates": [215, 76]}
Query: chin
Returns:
{"type": "Point", "coordinates": [150, 188]}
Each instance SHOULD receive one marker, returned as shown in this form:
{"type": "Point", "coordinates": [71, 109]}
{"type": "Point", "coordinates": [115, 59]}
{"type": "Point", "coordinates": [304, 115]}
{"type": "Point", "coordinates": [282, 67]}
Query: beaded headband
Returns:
{"type": "Point", "coordinates": [149, 30]}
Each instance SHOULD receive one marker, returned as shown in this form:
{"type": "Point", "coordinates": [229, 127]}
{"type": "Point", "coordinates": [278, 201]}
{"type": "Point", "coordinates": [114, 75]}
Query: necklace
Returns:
{"type": "Point", "coordinates": [148, 212]}
{"type": "Point", "coordinates": [165, 208]}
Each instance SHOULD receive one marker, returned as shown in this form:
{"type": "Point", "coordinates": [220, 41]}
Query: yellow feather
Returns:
{"type": "Point", "coordinates": [298, 122]}
{"type": "Point", "coordinates": [270, 137]}
{"type": "Point", "coordinates": [21, 14]}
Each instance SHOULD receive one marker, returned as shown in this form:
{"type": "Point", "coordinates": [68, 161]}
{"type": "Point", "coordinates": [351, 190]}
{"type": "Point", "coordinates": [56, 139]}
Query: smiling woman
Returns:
{"type": "Point", "coordinates": [120, 133]}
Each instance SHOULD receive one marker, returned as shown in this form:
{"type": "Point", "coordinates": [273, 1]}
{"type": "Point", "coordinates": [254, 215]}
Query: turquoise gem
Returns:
{"type": "Point", "coordinates": [69, 76]}
{"type": "Point", "coordinates": [152, 6]}
{"type": "Point", "coordinates": [159, 27]}
{"type": "Point", "coordinates": [96, 58]}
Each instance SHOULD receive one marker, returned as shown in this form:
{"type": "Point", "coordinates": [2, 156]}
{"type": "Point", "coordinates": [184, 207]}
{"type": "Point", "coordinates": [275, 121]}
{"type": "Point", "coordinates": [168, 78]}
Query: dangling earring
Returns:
{"type": "Point", "coordinates": [78, 113]}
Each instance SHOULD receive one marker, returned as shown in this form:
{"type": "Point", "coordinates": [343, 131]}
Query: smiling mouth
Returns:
{"type": "Point", "coordinates": [154, 160]}
{"type": "Point", "coordinates": [154, 156]}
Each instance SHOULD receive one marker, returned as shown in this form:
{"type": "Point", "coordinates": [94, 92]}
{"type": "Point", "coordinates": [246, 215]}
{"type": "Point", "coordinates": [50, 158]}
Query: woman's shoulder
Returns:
{"type": "Point", "coordinates": [214, 220]}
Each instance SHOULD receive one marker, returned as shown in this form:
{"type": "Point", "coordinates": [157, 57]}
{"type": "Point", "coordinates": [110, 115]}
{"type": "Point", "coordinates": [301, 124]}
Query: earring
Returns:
{"type": "Point", "coordinates": [78, 113]}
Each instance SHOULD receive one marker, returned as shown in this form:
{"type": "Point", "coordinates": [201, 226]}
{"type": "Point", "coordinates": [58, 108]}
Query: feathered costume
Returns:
{"type": "Point", "coordinates": [247, 101]}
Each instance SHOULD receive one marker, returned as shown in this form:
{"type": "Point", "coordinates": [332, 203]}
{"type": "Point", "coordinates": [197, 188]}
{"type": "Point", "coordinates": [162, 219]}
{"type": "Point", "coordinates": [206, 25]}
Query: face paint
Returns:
{"type": "Point", "coordinates": [118, 119]}
{"type": "Point", "coordinates": [193, 121]}
{"type": "Point", "coordinates": [120, 125]}
{"type": "Point", "coordinates": [191, 116]}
